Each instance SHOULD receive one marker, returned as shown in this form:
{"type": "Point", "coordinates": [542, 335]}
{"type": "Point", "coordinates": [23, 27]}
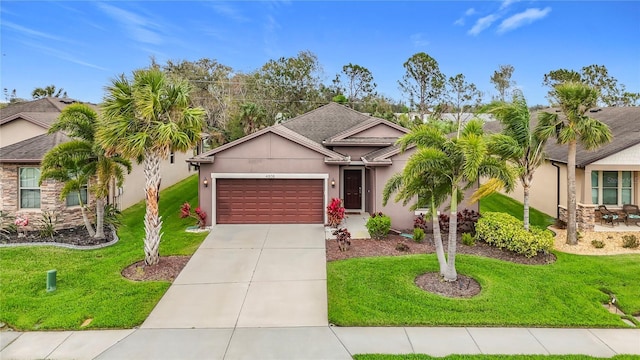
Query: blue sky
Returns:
{"type": "Point", "coordinates": [81, 45]}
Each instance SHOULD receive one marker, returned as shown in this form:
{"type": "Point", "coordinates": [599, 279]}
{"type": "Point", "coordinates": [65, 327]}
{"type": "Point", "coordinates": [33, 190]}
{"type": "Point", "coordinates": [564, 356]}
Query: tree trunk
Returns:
{"type": "Point", "coordinates": [85, 218]}
{"type": "Point", "coordinates": [152, 220]}
{"type": "Point", "coordinates": [526, 187]}
{"type": "Point", "coordinates": [572, 238]}
{"type": "Point", "coordinates": [451, 274]}
{"type": "Point", "coordinates": [437, 238]}
{"type": "Point", "coordinates": [99, 219]}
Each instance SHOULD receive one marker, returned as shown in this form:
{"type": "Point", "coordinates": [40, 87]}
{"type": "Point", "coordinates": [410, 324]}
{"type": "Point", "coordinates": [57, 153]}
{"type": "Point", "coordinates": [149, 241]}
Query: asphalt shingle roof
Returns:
{"type": "Point", "coordinates": [31, 150]}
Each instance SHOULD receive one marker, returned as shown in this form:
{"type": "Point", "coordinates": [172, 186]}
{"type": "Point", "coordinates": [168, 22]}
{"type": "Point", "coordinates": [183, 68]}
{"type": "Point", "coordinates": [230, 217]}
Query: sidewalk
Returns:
{"type": "Point", "coordinates": [313, 342]}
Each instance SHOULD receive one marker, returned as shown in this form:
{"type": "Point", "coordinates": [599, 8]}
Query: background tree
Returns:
{"type": "Point", "coordinates": [460, 160]}
{"type": "Point", "coordinates": [569, 128]}
{"type": "Point", "coordinates": [610, 91]}
{"type": "Point", "coordinates": [48, 91]}
{"type": "Point", "coordinates": [422, 83]}
{"type": "Point", "coordinates": [356, 82]}
{"type": "Point", "coordinates": [518, 142]}
{"type": "Point", "coordinates": [459, 97]}
{"type": "Point", "coordinates": [501, 80]}
{"type": "Point", "coordinates": [84, 160]}
{"type": "Point", "coordinates": [147, 117]}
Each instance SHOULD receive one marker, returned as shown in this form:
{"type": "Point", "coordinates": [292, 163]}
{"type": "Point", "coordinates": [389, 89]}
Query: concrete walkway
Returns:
{"type": "Point", "coordinates": [259, 292]}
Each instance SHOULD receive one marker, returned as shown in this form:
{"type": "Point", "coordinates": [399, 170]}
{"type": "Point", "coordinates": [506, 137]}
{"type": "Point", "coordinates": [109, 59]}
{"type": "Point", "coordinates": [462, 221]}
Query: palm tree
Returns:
{"type": "Point", "coordinates": [78, 161]}
{"type": "Point", "coordinates": [571, 127]}
{"type": "Point", "coordinates": [517, 142]}
{"type": "Point", "coordinates": [48, 91]}
{"type": "Point", "coordinates": [453, 163]}
{"type": "Point", "coordinates": [146, 118]}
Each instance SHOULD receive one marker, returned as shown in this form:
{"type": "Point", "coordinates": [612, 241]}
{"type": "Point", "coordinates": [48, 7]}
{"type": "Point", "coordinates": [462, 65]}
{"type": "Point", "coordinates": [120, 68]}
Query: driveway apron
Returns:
{"type": "Point", "coordinates": [249, 276]}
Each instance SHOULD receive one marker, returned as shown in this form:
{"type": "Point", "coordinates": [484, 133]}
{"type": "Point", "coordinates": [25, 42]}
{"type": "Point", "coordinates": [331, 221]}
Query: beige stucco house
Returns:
{"type": "Point", "coordinates": [607, 176]}
{"type": "Point", "coordinates": [24, 141]}
{"type": "Point", "coordinates": [289, 172]}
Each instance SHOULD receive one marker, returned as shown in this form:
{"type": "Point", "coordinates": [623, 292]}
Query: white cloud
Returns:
{"type": "Point", "coordinates": [225, 9]}
{"type": "Point", "coordinates": [506, 3]}
{"type": "Point", "coordinates": [31, 32]}
{"type": "Point", "coordinates": [64, 55]}
{"type": "Point", "coordinates": [482, 24]}
{"type": "Point", "coordinates": [524, 18]}
{"type": "Point", "coordinates": [469, 12]}
{"type": "Point", "coordinates": [138, 27]}
{"type": "Point", "coordinates": [418, 40]}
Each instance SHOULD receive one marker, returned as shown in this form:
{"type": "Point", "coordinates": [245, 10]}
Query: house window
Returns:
{"type": "Point", "coordinates": [72, 197]}
{"type": "Point", "coordinates": [172, 157]}
{"type": "Point", "coordinates": [29, 190]}
{"type": "Point", "coordinates": [611, 187]}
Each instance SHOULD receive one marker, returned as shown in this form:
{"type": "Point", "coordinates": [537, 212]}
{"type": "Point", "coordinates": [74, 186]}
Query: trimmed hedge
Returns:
{"type": "Point", "coordinates": [506, 232]}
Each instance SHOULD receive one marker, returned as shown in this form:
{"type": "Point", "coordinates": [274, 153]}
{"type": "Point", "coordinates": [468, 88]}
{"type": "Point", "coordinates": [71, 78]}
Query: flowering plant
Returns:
{"type": "Point", "coordinates": [200, 215]}
{"type": "Point", "coordinates": [21, 222]}
{"type": "Point", "coordinates": [335, 212]}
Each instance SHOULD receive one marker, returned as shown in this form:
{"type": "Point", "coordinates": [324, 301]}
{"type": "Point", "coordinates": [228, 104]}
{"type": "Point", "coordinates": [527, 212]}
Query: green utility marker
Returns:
{"type": "Point", "coordinates": [51, 280]}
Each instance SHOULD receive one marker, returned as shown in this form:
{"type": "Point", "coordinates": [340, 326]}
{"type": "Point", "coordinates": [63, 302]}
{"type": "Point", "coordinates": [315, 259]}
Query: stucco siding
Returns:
{"type": "Point", "coordinates": [19, 130]}
{"type": "Point", "coordinates": [380, 130]}
{"type": "Point", "coordinates": [356, 152]}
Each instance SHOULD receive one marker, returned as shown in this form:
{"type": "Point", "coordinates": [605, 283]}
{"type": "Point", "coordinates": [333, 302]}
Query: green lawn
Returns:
{"type": "Point", "coordinates": [487, 357]}
{"type": "Point", "coordinates": [502, 203]}
{"type": "Point", "coordinates": [569, 293]}
{"type": "Point", "coordinates": [89, 282]}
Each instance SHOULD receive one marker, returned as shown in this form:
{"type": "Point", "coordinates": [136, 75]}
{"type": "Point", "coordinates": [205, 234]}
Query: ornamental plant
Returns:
{"type": "Point", "coordinates": [335, 212]}
{"type": "Point", "coordinates": [21, 222]}
{"type": "Point", "coordinates": [343, 238]}
{"type": "Point", "coordinates": [506, 232]}
{"type": "Point", "coordinates": [200, 215]}
{"type": "Point", "coordinates": [378, 225]}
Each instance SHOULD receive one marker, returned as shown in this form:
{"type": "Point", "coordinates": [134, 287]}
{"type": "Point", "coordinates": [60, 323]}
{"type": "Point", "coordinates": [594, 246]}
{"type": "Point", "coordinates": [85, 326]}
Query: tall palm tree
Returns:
{"type": "Point", "coordinates": [147, 117]}
{"type": "Point", "coordinates": [84, 160]}
{"type": "Point", "coordinates": [571, 127]}
{"type": "Point", "coordinates": [518, 142]}
{"type": "Point", "coordinates": [454, 163]}
{"type": "Point", "coordinates": [47, 91]}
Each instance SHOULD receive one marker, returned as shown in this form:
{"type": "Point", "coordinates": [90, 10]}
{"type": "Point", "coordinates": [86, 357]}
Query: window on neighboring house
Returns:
{"type": "Point", "coordinates": [29, 190]}
{"type": "Point", "coordinates": [611, 187]}
{"type": "Point", "coordinates": [72, 197]}
{"type": "Point", "coordinates": [172, 157]}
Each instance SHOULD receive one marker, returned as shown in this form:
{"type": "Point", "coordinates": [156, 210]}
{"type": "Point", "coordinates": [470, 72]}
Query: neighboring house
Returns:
{"type": "Point", "coordinates": [288, 173]}
{"type": "Point", "coordinates": [607, 176]}
{"type": "Point", "coordinates": [23, 132]}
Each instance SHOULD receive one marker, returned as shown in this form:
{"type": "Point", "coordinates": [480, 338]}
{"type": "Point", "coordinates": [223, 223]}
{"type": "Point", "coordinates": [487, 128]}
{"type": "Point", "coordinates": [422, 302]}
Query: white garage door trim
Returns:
{"type": "Point", "coordinates": [216, 176]}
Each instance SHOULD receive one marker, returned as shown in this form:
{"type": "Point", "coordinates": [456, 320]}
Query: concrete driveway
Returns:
{"type": "Point", "coordinates": [249, 276]}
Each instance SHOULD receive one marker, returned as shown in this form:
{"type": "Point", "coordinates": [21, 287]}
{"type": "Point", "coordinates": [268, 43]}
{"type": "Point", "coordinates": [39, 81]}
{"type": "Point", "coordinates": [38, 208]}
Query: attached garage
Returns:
{"type": "Point", "coordinates": [269, 201]}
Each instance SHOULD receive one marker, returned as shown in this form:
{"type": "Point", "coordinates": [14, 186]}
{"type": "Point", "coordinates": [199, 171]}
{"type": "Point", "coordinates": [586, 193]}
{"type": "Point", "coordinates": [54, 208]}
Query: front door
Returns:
{"type": "Point", "coordinates": [352, 189]}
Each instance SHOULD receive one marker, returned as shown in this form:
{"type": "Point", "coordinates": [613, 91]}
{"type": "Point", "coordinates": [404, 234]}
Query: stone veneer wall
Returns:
{"type": "Point", "coordinates": [49, 200]}
{"type": "Point", "coordinates": [585, 216]}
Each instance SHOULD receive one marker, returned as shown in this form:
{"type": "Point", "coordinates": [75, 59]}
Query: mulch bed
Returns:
{"type": "Point", "coordinates": [78, 236]}
{"type": "Point", "coordinates": [167, 269]}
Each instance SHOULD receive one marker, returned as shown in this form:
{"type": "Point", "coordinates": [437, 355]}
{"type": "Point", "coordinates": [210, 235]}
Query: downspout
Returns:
{"type": "Point", "coordinates": [554, 164]}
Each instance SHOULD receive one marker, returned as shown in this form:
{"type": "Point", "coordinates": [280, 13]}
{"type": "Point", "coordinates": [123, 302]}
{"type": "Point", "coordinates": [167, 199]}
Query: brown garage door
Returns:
{"type": "Point", "coordinates": [269, 201]}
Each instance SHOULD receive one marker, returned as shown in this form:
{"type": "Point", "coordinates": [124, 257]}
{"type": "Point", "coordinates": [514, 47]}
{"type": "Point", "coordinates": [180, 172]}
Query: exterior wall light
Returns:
{"type": "Point", "coordinates": [205, 182]}
{"type": "Point", "coordinates": [333, 183]}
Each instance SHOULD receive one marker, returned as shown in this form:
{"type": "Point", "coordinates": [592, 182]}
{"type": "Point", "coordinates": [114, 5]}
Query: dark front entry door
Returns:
{"type": "Point", "coordinates": [352, 189]}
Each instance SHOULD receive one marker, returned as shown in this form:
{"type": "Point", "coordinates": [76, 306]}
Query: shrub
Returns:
{"type": "Point", "coordinates": [466, 218]}
{"type": "Point", "coordinates": [630, 241]}
{"type": "Point", "coordinates": [402, 247]}
{"type": "Point", "coordinates": [7, 226]}
{"type": "Point", "coordinates": [335, 212]}
{"type": "Point", "coordinates": [343, 238]}
{"type": "Point", "coordinates": [598, 244]}
{"type": "Point", "coordinates": [418, 235]}
{"type": "Point", "coordinates": [378, 225]}
{"type": "Point", "coordinates": [420, 223]}
{"type": "Point", "coordinates": [505, 231]}
{"type": "Point", "coordinates": [48, 223]}
{"type": "Point", "coordinates": [468, 239]}
{"type": "Point", "coordinates": [200, 215]}
{"type": "Point", "coordinates": [112, 216]}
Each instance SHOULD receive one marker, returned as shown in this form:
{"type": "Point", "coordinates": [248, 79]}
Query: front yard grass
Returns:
{"type": "Point", "coordinates": [89, 284]}
{"type": "Point", "coordinates": [568, 293]}
{"type": "Point", "coordinates": [497, 202]}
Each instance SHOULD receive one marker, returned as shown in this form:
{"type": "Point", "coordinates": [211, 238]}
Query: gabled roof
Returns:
{"type": "Point", "coordinates": [382, 157]}
{"type": "Point", "coordinates": [42, 112]}
{"type": "Point", "coordinates": [624, 123]}
{"type": "Point", "coordinates": [367, 124]}
{"type": "Point", "coordinates": [31, 150]}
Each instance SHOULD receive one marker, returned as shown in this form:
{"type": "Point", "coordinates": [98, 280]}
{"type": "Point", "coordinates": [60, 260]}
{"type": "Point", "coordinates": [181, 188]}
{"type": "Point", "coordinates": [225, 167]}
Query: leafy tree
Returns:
{"type": "Point", "coordinates": [518, 142]}
{"type": "Point", "coordinates": [423, 83]}
{"type": "Point", "coordinates": [147, 117]}
{"type": "Point", "coordinates": [358, 83]}
{"type": "Point", "coordinates": [610, 92]}
{"type": "Point", "coordinates": [286, 87]}
{"type": "Point", "coordinates": [252, 118]}
{"type": "Point", "coordinates": [48, 91]}
{"type": "Point", "coordinates": [81, 160]}
{"type": "Point", "coordinates": [501, 79]}
{"type": "Point", "coordinates": [452, 163]}
{"type": "Point", "coordinates": [460, 97]}
{"type": "Point", "coordinates": [569, 128]}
